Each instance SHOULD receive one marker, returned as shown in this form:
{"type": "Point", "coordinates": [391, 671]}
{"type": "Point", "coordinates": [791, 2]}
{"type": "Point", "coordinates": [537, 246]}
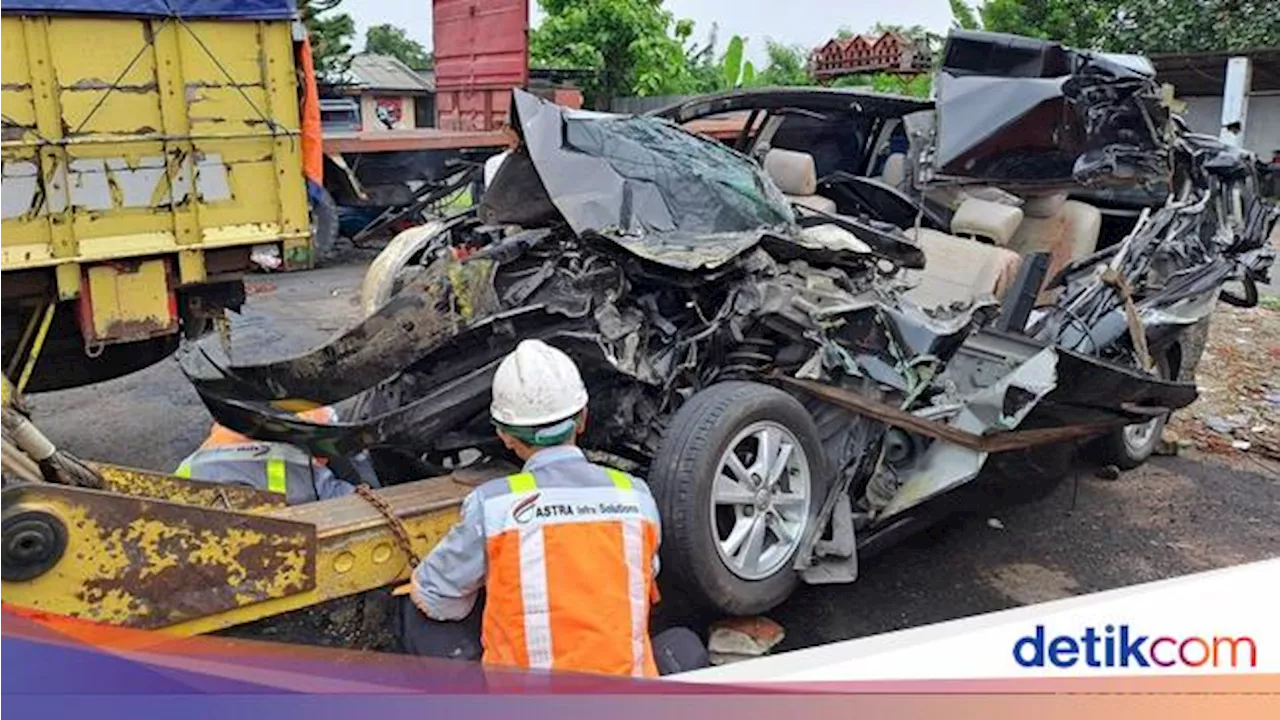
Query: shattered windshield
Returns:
{"type": "Point", "coordinates": [674, 181]}
{"type": "Point", "coordinates": [660, 192]}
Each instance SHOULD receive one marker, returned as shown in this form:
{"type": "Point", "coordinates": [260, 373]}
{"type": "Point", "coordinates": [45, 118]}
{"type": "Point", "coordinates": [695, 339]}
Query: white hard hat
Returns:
{"type": "Point", "coordinates": [535, 386]}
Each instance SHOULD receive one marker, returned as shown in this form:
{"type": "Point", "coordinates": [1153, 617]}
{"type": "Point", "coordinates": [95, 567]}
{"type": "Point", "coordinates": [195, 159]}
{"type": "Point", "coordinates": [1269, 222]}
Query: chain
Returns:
{"type": "Point", "coordinates": [397, 526]}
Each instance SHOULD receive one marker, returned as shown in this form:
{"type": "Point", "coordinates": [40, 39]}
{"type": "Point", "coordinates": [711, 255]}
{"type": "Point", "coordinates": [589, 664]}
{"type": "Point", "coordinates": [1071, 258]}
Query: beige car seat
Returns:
{"type": "Point", "coordinates": [984, 219]}
{"type": "Point", "coordinates": [796, 176]}
{"type": "Point", "coordinates": [1066, 229]}
{"type": "Point", "coordinates": [961, 267]}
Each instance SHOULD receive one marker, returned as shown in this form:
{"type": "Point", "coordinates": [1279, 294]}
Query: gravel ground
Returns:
{"type": "Point", "coordinates": [1176, 515]}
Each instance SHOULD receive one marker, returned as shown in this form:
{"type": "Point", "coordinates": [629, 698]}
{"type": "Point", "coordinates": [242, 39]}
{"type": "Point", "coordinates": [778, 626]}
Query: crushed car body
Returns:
{"type": "Point", "coordinates": [709, 289]}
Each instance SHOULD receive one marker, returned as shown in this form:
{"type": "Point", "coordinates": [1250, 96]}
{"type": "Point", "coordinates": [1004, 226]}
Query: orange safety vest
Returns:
{"type": "Point", "coordinates": [567, 552]}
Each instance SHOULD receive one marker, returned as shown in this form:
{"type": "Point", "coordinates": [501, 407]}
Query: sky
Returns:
{"type": "Point", "coordinates": [803, 22]}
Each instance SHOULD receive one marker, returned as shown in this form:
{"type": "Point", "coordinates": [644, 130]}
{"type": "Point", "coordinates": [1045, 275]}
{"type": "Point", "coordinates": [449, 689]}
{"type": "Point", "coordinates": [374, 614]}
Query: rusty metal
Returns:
{"type": "Point", "coordinates": [415, 139]}
{"type": "Point", "coordinates": [1137, 334]}
{"type": "Point", "coordinates": [134, 561]}
{"type": "Point", "coordinates": [148, 564]}
{"type": "Point", "coordinates": [201, 493]}
{"type": "Point", "coordinates": [398, 529]}
{"type": "Point", "coordinates": [998, 442]}
{"type": "Point", "coordinates": [481, 52]}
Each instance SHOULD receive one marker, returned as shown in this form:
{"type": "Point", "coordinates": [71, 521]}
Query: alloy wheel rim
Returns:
{"type": "Point", "coordinates": [760, 500]}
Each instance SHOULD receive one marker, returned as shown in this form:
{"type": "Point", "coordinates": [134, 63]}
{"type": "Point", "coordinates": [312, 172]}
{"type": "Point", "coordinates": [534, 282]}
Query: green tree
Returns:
{"type": "Point", "coordinates": [963, 17]}
{"type": "Point", "coordinates": [390, 40]}
{"type": "Point", "coordinates": [1077, 23]}
{"type": "Point", "coordinates": [1156, 26]}
{"type": "Point", "coordinates": [788, 65]}
{"type": "Point", "coordinates": [734, 72]}
{"type": "Point", "coordinates": [1137, 26]}
{"type": "Point", "coordinates": [631, 44]}
{"type": "Point", "coordinates": [331, 37]}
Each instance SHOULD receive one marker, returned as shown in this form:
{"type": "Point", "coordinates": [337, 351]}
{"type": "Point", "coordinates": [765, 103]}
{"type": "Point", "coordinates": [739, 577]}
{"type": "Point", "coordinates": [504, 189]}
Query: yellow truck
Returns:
{"type": "Point", "coordinates": [150, 149]}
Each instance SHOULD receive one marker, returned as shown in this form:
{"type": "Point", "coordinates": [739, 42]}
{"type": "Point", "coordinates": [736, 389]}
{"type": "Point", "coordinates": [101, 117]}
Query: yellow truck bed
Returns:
{"type": "Point", "coordinates": [127, 137]}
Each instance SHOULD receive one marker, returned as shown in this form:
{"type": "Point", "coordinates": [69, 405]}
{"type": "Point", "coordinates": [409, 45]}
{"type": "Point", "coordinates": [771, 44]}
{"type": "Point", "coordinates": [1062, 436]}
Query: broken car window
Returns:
{"type": "Point", "coordinates": [703, 187]}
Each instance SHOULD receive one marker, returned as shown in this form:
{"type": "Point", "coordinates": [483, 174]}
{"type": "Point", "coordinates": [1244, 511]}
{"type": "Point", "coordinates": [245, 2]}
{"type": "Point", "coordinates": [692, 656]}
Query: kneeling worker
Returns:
{"type": "Point", "coordinates": [566, 551]}
{"type": "Point", "coordinates": [227, 456]}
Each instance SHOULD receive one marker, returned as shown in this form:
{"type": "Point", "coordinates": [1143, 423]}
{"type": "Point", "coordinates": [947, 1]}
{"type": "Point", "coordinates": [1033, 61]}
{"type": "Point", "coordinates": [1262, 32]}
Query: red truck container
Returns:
{"type": "Point", "coordinates": [481, 52]}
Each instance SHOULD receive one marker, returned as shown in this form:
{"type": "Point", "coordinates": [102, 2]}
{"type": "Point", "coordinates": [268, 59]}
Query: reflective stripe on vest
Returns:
{"type": "Point", "coordinates": [621, 480]}
{"type": "Point", "coordinates": [524, 482]}
{"type": "Point", "coordinates": [535, 591]}
{"type": "Point", "coordinates": [276, 475]}
{"type": "Point", "coordinates": [277, 469]}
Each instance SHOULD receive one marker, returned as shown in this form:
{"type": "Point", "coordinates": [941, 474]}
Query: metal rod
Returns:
{"type": "Point", "coordinates": [134, 137]}
{"type": "Point", "coordinates": [19, 463]}
{"type": "Point", "coordinates": [23, 342]}
{"type": "Point", "coordinates": [998, 442]}
{"type": "Point", "coordinates": [36, 347]}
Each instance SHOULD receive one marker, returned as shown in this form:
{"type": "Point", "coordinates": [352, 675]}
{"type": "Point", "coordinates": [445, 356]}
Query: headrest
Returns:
{"type": "Point", "coordinates": [793, 172]}
{"type": "Point", "coordinates": [895, 169]}
{"type": "Point", "coordinates": [1043, 206]}
{"type": "Point", "coordinates": [995, 221]}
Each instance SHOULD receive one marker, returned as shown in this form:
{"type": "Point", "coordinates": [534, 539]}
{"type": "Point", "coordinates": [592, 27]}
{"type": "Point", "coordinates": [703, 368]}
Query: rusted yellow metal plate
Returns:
{"type": "Point", "coordinates": [357, 551]}
{"type": "Point", "coordinates": [130, 300]}
{"type": "Point", "coordinates": [134, 561]}
{"type": "Point", "coordinates": [148, 564]}
{"type": "Point", "coordinates": [141, 483]}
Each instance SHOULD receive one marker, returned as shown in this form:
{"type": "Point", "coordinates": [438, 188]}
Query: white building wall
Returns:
{"type": "Point", "coordinates": [1262, 129]}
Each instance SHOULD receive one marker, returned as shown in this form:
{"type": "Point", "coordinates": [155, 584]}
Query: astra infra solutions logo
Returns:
{"type": "Point", "coordinates": [1119, 645]}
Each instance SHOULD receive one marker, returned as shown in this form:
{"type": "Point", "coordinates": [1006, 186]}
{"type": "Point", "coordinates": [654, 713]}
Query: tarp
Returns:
{"type": "Point", "coordinates": [233, 9]}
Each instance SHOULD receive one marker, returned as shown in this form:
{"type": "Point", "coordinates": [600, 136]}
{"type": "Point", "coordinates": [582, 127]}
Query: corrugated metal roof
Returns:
{"type": "Point", "coordinates": [383, 72]}
{"type": "Point", "coordinates": [1205, 73]}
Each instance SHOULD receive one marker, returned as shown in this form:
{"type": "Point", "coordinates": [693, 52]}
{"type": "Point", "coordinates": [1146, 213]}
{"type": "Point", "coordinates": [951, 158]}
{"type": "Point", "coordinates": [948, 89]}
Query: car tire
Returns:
{"type": "Point", "coordinates": [1130, 446]}
{"type": "Point", "coordinates": [698, 553]}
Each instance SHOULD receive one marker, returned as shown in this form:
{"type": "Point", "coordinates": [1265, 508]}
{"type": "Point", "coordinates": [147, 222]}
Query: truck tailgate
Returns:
{"type": "Point", "coordinates": [126, 137]}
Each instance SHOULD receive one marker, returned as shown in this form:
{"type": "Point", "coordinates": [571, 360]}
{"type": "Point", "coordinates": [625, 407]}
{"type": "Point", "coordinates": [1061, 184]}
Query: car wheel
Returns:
{"type": "Point", "coordinates": [739, 479]}
{"type": "Point", "coordinates": [1130, 446]}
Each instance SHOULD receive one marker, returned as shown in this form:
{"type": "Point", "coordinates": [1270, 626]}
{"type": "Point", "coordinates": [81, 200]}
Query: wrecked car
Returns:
{"type": "Point", "coordinates": [806, 345]}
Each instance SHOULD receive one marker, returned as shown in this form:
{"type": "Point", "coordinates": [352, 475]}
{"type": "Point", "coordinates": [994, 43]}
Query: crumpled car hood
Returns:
{"type": "Point", "coordinates": [658, 191]}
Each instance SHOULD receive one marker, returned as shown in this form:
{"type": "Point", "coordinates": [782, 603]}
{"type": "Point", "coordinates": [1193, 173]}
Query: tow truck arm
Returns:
{"type": "Point", "coordinates": [155, 551]}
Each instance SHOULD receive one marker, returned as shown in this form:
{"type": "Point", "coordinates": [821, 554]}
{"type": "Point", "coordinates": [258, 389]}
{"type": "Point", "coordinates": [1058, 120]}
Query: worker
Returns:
{"type": "Point", "coordinates": [227, 456]}
{"type": "Point", "coordinates": [566, 551]}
